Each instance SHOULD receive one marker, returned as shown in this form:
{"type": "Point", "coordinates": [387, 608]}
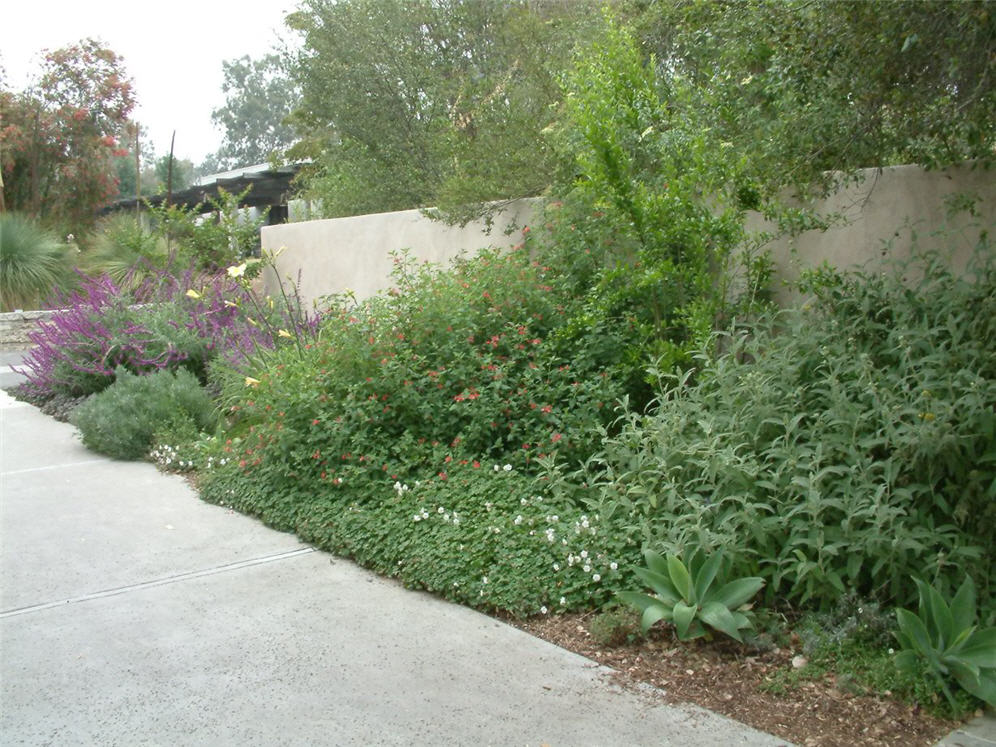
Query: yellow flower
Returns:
{"type": "Point", "coordinates": [250, 381]}
{"type": "Point", "coordinates": [284, 333]}
{"type": "Point", "coordinates": [193, 294]}
{"type": "Point", "coordinates": [237, 271]}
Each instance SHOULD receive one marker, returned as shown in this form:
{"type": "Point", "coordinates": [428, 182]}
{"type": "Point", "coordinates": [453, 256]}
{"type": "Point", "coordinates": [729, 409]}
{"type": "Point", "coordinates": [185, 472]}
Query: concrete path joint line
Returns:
{"type": "Point", "coordinates": [160, 582]}
{"type": "Point", "coordinates": [53, 466]}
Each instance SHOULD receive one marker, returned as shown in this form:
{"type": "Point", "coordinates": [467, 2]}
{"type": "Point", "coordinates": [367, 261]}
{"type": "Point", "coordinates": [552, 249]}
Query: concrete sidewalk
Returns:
{"type": "Point", "coordinates": [132, 613]}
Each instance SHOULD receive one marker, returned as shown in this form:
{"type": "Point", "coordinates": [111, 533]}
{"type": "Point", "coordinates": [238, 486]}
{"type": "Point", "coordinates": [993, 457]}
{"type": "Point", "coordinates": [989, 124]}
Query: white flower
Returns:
{"type": "Point", "coordinates": [614, 566]}
{"type": "Point", "coordinates": [237, 271]}
{"type": "Point", "coordinates": [484, 579]}
{"type": "Point", "coordinates": [596, 577]}
{"type": "Point", "coordinates": [440, 510]}
{"type": "Point", "coordinates": [543, 610]}
{"type": "Point", "coordinates": [563, 601]}
{"type": "Point", "coordinates": [587, 568]}
{"type": "Point", "coordinates": [507, 468]}
{"type": "Point", "coordinates": [497, 468]}
{"type": "Point", "coordinates": [556, 566]}
{"type": "Point", "coordinates": [584, 554]}
{"type": "Point", "coordinates": [518, 520]}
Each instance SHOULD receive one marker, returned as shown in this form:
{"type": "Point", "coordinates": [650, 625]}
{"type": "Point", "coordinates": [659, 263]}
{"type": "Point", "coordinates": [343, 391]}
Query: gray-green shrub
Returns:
{"type": "Point", "coordinates": [847, 445]}
{"type": "Point", "coordinates": [122, 420]}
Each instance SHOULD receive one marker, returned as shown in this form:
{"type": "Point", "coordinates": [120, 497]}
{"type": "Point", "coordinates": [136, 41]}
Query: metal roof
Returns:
{"type": "Point", "coordinates": [270, 186]}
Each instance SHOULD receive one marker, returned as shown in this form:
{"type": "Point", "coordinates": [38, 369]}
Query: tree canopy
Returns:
{"type": "Point", "coordinates": [259, 97]}
{"type": "Point", "coordinates": [407, 104]}
{"type": "Point", "coordinates": [452, 102]}
{"type": "Point", "coordinates": [59, 137]}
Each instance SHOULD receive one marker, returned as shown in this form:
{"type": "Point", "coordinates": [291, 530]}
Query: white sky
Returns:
{"type": "Point", "coordinates": [173, 52]}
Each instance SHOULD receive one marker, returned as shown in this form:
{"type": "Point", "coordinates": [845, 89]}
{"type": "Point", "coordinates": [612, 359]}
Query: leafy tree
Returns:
{"type": "Point", "coordinates": [125, 166]}
{"type": "Point", "coordinates": [807, 86]}
{"type": "Point", "coordinates": [59, 137]}
{"type": "Point", "coordinates": [183, 173]}
{"type": "Point", "coordinates": [407, 104]}
{"type": "Point", "coordinates": [260, 95]}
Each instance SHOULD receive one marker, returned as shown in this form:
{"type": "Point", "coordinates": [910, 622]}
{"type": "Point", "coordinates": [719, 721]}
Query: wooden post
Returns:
{"type": "Point", "coordinates": [169, 172]}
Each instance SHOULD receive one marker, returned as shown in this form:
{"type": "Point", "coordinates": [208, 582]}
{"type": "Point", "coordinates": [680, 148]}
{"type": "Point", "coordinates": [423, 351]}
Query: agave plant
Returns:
{"type": "Point", "coordinates": [33, 262]}
{"type": "Point", "coordinates": [693, 597]}
{"type": "Point", "coordinates": [944, 638]}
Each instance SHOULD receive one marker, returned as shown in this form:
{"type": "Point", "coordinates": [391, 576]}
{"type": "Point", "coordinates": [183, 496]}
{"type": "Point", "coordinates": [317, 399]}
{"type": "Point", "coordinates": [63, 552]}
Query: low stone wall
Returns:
{"type": "Point", "coordinates": [15, 326]}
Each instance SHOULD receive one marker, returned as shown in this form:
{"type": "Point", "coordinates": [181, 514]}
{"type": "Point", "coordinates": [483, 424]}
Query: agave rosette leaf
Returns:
{"type": "Point", "coordinates": [718, 616]}
{"type": "Point", "coordinates": [680, 578]}
{"type": "Point", "coordinates": [736, 594]}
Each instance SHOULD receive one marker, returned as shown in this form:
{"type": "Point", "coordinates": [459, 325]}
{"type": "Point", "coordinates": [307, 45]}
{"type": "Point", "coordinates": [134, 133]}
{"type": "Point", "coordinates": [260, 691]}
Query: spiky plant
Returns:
{"type": "Point", "coordinates": [125, 250]}
{"type": "Point", "coordinates": [34, 263]}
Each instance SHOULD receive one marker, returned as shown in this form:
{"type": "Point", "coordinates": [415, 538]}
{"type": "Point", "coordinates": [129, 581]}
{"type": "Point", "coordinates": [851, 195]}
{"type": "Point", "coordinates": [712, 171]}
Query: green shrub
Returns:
{"type": "Point", "coordinates": [122, 420]}
{"type": "Point", "coordinates": [432, 387]}
{"type": "Point", "coordinates": [34, 263]}
{"type": "Point", "coordinates": [844, 446]}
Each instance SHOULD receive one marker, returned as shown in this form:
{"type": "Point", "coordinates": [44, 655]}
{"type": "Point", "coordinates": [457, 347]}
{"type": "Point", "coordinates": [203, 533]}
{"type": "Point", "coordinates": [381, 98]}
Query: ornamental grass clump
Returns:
{"type": "Point", "coordinates": [34, 263]}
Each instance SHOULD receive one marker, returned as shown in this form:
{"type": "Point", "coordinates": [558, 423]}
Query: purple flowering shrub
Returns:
{"type": "Point", "coordinates": [169, 322]}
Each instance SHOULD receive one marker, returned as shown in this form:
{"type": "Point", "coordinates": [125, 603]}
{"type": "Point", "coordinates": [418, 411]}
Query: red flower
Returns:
{"type": "Point", "coordinates": [556, 437]}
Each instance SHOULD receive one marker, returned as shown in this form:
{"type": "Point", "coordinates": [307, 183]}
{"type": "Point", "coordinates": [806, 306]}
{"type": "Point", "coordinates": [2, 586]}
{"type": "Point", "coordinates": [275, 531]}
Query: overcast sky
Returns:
{"type": "Point", "coordinates": [173, 52]}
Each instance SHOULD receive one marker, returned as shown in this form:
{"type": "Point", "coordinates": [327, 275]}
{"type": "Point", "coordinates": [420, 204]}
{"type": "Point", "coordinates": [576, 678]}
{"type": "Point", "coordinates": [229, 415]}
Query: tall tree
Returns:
{"type": "Point", "coordinates": [260, 95]}
{"type": "Point", "coordinates": [809, 86]}
{"type": "Point", "coordinates": [407, 104]}
{"type": "Point", "coordinates": [60, 137]}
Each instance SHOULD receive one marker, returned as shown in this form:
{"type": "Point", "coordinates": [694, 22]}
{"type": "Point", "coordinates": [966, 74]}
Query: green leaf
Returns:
{"type": "Point", "coordinates": [637, 599]}
{"type": "Point", "coordinates": [654, 614]}
{"type": "Point", "coordinates": [683, 614]}
{"type": "Point", "coordinates": [739, 592]}
{"type": "Point", "coordinates": [917, 633]}
{"type": "Point", "coordinates": [983, 687]}
{"type": "Point", "coordinates": [660, 584]}
{"type": "Point", "coordinates": [980, 649]}
{"type": "Point", "coordinates": [680, 578]}
{"type": "Point", "coordinates": [706, 574]}
{"type": "Point", "coordinates": [963, 605]}
{"type": "Point", "coordinates": [655, 562]}
{"type": "Point", "coordinates": [939, 615]}
{"type": "Point", "coordinates": [718, 616]}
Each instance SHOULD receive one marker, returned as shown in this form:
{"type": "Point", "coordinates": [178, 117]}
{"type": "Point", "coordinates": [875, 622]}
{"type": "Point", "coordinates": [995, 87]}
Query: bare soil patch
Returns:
{"type": "Point", "coordinates": [726, 677]}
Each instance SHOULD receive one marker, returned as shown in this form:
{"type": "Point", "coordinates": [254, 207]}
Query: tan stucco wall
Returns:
{"type": "Point", "coordinates": [886, 205]}
{"type": "Point", "coordinates": [882, 214]}
{"type": "Point", "coordinates": [341, 254]}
